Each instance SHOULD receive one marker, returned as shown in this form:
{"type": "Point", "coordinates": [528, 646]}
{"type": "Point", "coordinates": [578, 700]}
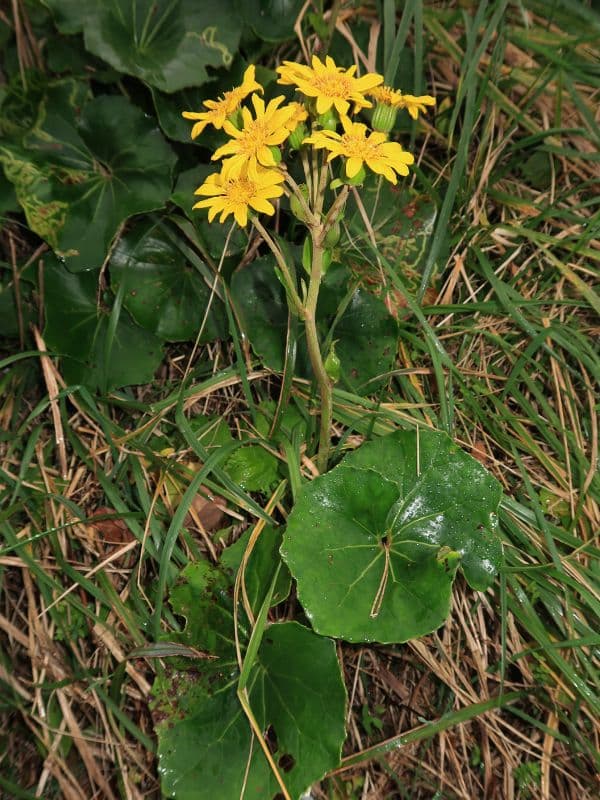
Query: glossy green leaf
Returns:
{"type": "Point", "coordinates": [162, 291]}
{"type": "Point", "coordinates": [167, 43]}
{"type": "Point", "coordinates": [272, 20]}
{"type": "Point", "coordinates": [79, 329]}
{"type": "Point", "coordinates": [206, 749]}
{"type": "Point", "coordinates": [81, 172]}
{"type": "Point", "coordinates": [470, 494]}
{"type": "Point", "coordinates": [366, 333]}
{"type": "Point", "coordinates": [260, 302]}
{"type": "Point", "coordinates": [375, 543]}
{"type": "Point", "coordinates": [367, 341]}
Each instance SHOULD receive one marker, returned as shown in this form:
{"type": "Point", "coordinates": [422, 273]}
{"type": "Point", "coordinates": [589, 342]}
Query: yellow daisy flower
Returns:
{"type": "Point", "coordinates": [383, 157]}
{"type": "Point", "coordinates": [329, 84]}
{"type": "Point", "coordinates": [237, 194]}
{"type": "Point", "coordinates": [252, 144]}
{"type": "Point", "coordinates": [219, 110]}
{"type": "Point", "coordinates": [416, 105]}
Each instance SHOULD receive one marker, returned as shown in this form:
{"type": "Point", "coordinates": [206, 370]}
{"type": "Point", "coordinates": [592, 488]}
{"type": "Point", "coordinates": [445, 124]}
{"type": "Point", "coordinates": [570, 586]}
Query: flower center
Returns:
{"type": "Point", "coordinates": [240, 191]}
{"type": "Point", "coordinates": [255, 136]}
{"type": "Point", "coordinates": [357, 148]}
{"type": "Point", "coordinates": [333, 85]}
{"type": "Point", "coordinates": [383, 94]}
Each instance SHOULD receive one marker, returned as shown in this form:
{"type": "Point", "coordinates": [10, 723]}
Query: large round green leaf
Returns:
{"type": "Point", "coordinates": [375, 543]}
{"type": "Point", "coordinates": [162, 292]}
{"type": "Point", "coordinates": [167, 43]}
{"type": "Point", "coordinates": [97, 351]}
{"type": "Point", "coordinates": [80, 173]}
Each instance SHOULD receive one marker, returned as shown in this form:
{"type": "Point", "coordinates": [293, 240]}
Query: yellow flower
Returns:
{"type": "Point", "coordinates": [330, 84]}
{"type": "Point", "coordinates": [386, 96]}
{"type": "Point", "coordinates": [383, 157]}
{"type": "Point", "coordinates": [219, 110]}
{"type": "Point", "coordinates": [252, 144]}
{"type": "Point", "coordinates": [394, 99]}
{"type": "Point", "coordinates": [415, 105]}
{"type": "Point", "coordinates": [237, 194]}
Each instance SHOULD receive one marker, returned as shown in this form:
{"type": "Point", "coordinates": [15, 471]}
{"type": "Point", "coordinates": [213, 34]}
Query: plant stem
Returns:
{"type": "Point", "coordinates": [314, 350]}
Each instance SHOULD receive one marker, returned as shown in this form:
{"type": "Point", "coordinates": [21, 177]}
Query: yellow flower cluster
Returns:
{"type": "Point", "coordinates": [250, 175]}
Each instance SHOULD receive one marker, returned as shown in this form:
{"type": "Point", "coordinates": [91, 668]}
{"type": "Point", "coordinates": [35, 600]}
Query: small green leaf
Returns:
{"type": "Point", "coordinates": [167, 43]}
{"type": "Point", "coordinates": [253, 467]}
{"type": "Point", "coordinates": [374, 544]}
{"type": "Point", "coordinates": [162, 292]}
{"type": "Point", "coordinates": [202, 596]}
{"type": "Point", "coordinates": [79, 330]}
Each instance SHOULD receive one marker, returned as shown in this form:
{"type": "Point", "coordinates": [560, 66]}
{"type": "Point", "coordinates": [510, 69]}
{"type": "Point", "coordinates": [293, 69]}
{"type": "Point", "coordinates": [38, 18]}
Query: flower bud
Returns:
{"type": "Point", "coordinates": [383, 118]}
{"type": "Point", "coordinates": [332, 236]}
{"type": "Point", "coordinates": [329, 120]}
{"type": "Point", "coordinates": [333, 366]}
{"type": "Point", "coordinates": [296, 206]}
{"type": "Point", "coordinates": [276, 153]}
{"type": "Point", "coordinates": [297, 136]}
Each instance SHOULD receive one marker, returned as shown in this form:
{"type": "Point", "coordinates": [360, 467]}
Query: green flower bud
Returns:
{"type": "Point", "coordinates": [329, 120]}
{"type": "Point", "coordinates": [327, 257]}
{"type": "Point", "coordinates": [383, 118]}
{"type": "Point", "coordinates": [276, 153]}
{"type": "Point", "coordinates": [296, 206]}
{"type": "Point", "coordinates": [297, 136]}
{"type": "Point", "coordinates": [333, 366]}
{"type": "Point", "coordinates": [332, 236]}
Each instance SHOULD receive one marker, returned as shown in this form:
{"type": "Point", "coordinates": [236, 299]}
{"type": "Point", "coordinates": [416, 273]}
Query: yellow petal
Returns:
{"type": "Point", "coordinates": [323, 103]}
{"type": "Point", "coordinates": [341, 105]}
{"type": "Point", "coordinates": [353, 166]}
{"type": "Point", "coordinates": [241, 215]}
{"type": "Point", "coordinates": [262, 205]}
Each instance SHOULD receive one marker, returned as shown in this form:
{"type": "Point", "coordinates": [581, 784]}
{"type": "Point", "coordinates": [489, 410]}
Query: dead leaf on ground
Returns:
{"type": "Point", "coordinates": [109, 534]}
{"type": "Point", "coordinates": [207, 512]}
